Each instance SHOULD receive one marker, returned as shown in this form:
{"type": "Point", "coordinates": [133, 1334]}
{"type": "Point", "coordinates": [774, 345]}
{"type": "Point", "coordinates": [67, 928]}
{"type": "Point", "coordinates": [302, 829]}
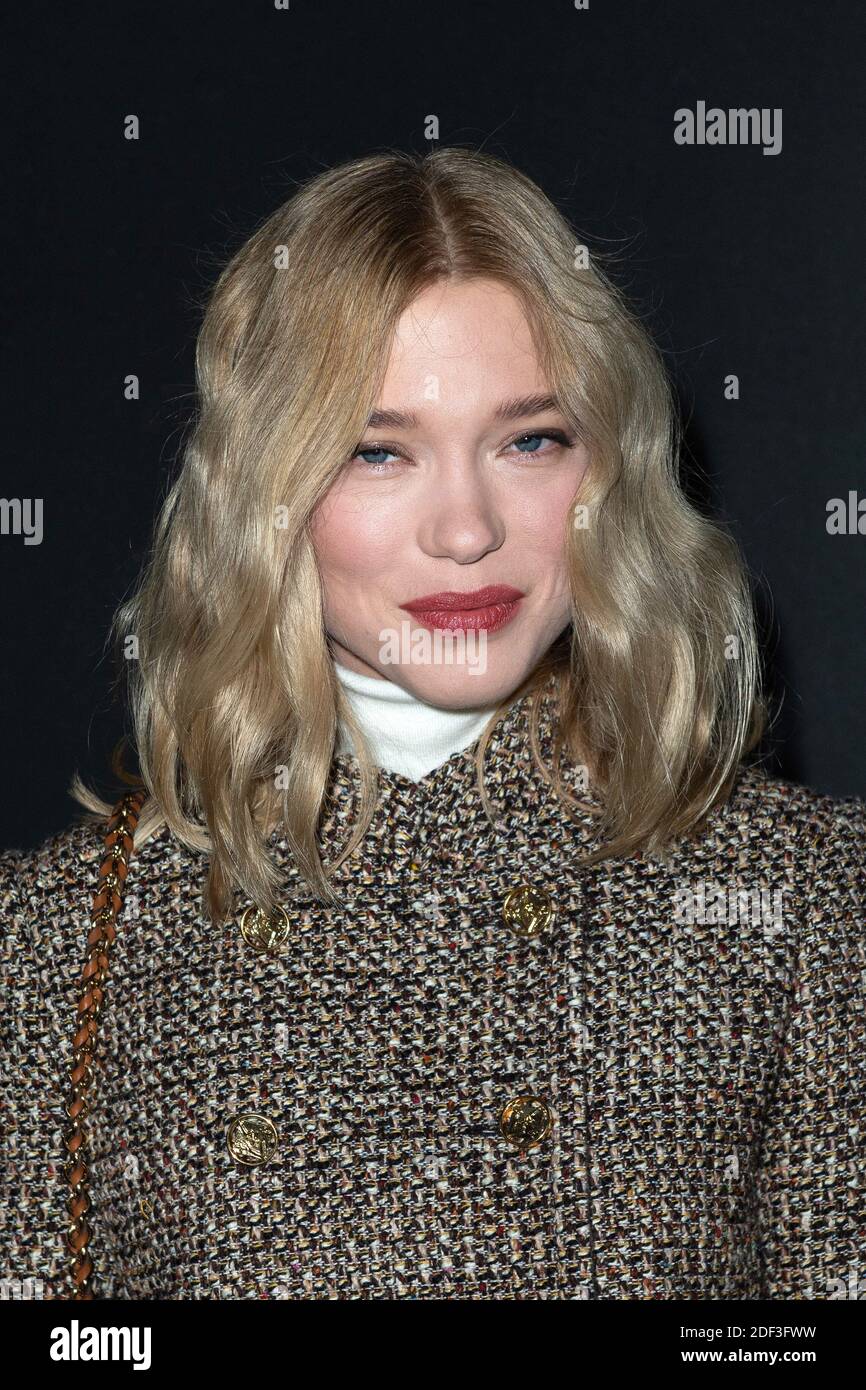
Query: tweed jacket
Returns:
{"type": "Point", "coordinates": [689, 1032]}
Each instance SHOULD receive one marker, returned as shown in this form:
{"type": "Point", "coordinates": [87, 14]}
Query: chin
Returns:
{"type": "Point", "coordinates": [456, 687]}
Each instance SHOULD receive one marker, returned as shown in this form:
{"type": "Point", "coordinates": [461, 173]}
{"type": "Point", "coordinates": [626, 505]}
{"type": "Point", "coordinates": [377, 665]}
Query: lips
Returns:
{"type": "Point", "coordinates": [489, 608]}
{"type": "Point", "coordinates": [449, 599]}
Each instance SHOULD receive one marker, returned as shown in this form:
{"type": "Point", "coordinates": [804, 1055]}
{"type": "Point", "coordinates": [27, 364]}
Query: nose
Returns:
{"type": "Point", "coordinates": [461, 517]}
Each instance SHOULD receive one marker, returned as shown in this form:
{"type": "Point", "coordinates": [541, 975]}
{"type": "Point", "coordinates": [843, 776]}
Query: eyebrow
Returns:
{"type": "Point", "coordinates": [514, 409]}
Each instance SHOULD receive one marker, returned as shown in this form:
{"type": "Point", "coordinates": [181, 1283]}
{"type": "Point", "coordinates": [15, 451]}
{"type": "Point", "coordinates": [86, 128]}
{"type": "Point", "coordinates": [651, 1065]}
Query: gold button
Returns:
{"type": "Point", "coordinates": [527, 910]}
{"type": "Point", "coordinates": [265, 933]}
{"type": "Point", "coordinates": [525, 1121]}
{"type": "Point", "coordinates": [252, 1139]}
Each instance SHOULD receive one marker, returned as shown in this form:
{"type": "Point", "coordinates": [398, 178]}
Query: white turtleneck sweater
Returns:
{"type": "Point", "coordinates": [405, 734]}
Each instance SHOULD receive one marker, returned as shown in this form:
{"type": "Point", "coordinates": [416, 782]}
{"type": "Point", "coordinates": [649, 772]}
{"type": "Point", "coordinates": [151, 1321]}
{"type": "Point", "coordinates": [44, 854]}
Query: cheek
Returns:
{"type": "Point", "coordinates": [541, 516]}
{"type": "Point", "coordinates": [350, 541]}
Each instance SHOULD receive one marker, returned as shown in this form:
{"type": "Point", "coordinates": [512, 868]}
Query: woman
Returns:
{"type": "Point", "coordinates": [460, 949]}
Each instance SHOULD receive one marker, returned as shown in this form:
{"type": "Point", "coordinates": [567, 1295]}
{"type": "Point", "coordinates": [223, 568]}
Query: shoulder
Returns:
{"type": "Point", "coordinates": [807, 845]}
{"type": "Point", "coordinates": [756, 789]}
{"type": "Point", "coordinates": [47, 892]}
{"type": "Point", "coordinates": [46, 902]}
{"type": "Point", "coordinates": [51, 877]}
{"type": "Point", "coordinates": [45, 897]}
{"type": "Point", "coordinates": [824, 835]}
{"type": "Point", "coordinates": [66, 863]}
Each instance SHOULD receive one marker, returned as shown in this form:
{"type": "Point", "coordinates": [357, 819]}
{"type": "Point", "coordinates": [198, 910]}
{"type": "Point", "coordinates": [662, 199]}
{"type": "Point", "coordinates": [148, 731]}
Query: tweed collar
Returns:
{"type": "Point", "coordinates": [439, 823]}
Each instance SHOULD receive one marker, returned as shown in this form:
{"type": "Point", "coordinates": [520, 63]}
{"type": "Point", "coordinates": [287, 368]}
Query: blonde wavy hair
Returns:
{"type": "Point", "coordinates": [658, 678]}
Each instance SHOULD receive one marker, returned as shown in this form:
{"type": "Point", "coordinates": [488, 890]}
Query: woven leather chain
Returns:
{"type": "Point", "coordinates": [107, 904]}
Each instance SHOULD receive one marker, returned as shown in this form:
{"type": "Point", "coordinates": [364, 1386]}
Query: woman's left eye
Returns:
{"type": "Point", "coordinates": [555, 438]}
{"type": "Point", "coordinates": [534, 438]}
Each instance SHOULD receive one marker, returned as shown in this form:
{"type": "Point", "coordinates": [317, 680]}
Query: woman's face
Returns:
{"type": "Point", "coordinates": [458, 497]}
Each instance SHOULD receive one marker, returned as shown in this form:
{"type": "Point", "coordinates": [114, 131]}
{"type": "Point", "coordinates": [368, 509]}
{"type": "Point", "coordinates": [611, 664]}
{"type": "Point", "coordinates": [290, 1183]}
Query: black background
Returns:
{"type": "Point", "coordinates": [738, 262]}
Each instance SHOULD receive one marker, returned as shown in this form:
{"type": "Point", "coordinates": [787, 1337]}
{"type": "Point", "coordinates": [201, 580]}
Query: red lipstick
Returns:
{"type": "Point", "coordinates": [489, 608]}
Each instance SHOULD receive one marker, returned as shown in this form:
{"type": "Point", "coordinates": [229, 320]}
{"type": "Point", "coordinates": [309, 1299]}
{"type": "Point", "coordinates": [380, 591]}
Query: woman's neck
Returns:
{"type": "Point", "coordinates": [405, 734]}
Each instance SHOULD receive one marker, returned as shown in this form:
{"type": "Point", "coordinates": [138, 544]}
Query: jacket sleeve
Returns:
{"type": "Point", "coordinates": [42, 951]}
{"type": "Point", "coordinates": [812, 1168]}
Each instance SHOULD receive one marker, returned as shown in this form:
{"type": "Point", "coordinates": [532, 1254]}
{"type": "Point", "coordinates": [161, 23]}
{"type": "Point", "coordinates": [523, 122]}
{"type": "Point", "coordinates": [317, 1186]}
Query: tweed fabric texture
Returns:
{"type": "Point", "coordinates": [705, 1079]}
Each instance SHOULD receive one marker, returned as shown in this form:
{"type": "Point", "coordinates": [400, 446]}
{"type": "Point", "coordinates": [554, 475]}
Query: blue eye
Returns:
{"type": "Point", "coordinates": [555, 437]}
{"type": "Point", "coordinates": [362, 452]}
{"type": "Point", "coordinates": [376, 465]}
{"type": "Point", "coordinates": [528, 438]}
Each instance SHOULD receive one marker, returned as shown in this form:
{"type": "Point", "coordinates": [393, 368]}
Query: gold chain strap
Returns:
{"type": "Point", "coordinates": [107, 904]}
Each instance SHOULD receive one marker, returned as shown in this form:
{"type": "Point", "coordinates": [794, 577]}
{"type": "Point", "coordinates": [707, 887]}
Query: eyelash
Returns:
{"type": "Point", "coordinates": [558, 436]}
